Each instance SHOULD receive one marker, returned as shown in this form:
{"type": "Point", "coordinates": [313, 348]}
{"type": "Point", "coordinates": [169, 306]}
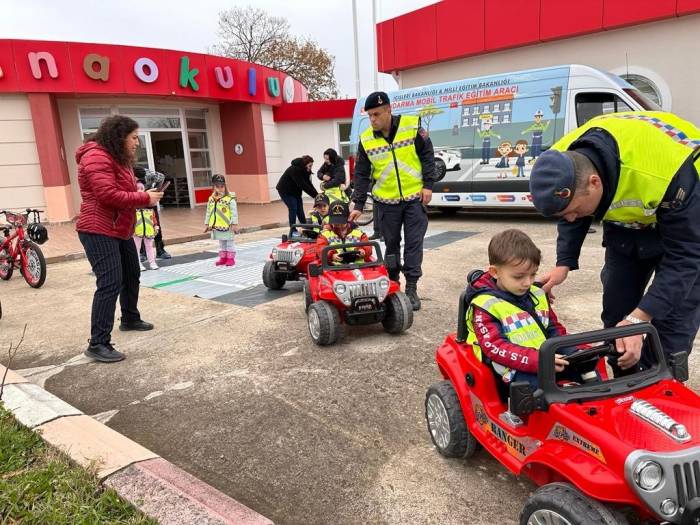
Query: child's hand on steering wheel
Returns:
{"type": "Point", "coordinates": [559, 363]}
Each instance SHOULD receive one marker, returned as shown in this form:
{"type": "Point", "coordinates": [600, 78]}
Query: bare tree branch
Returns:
{"type": "Point", "coordinates": [11, 353]}
{"type": "Point", "coordinates": [255, 36]}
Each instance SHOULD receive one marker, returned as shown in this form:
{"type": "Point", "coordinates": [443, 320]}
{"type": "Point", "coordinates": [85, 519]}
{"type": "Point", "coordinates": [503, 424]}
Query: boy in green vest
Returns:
{"type": "Point", "coordinates": [339, 230]}
{"type": "Point", "coordinates": [320, 214]}
{"type": "Point", "coordinates": [509, 317]}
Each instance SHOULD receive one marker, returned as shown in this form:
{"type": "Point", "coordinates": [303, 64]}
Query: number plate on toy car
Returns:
{"type": "Point", "coordinates": [365, 304]}
{"type": "Point", "coordinates": [283, 266]}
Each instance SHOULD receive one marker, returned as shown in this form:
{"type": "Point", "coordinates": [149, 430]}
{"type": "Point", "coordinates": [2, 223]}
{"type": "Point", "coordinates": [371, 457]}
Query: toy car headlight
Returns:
{"type": "Point", "coordinates": [298, 254]}
{"type": "Point", "coordinates": [274, 253]}
{"type": "Point", "coordinates": [339, 288]}
{"type": "Point", "coordinates": [648, 475]}
{"type": "Point", "coordinates": [384, 284]}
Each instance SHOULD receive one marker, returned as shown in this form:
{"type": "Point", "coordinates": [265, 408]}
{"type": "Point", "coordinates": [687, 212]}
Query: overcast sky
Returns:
{"type": "Point", "coordinates": [190, 25]}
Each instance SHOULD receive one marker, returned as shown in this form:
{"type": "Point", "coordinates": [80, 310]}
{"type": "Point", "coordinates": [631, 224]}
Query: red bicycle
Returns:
{"type": "Point", "coordinates": [20, 250]}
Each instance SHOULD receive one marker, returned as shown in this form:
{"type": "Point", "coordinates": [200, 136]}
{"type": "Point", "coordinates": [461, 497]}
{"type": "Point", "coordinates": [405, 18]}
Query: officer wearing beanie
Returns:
{"type": "Point", "coordinates": [638, 173]}
{"type": "Point", "coordinates": [397, 153]}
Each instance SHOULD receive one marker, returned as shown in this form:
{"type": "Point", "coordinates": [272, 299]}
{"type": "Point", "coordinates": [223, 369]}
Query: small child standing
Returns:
{"type": "Point", "coordinates": [145, 231]}
{"type": "Point", "coordinates": [222, 220]}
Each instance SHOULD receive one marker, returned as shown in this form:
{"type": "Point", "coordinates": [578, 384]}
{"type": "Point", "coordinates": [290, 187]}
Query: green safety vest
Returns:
{"type": "Point", "coordinates": [144, 226]}
{"type": "Point", "coordinates": [652, 146]}
{"type": "Point", "coordinates": [354, 236]}
{"type": "Point", "coordinates": [219, 212]}
{"type": "Point", "coordinates": [396, 167]}
{"type": "Point", "coordinates": [519, 327]}
{"type": "Point", "coordinates": [317, 218]}
{"type": "Point", "coordinates": [336, 194]}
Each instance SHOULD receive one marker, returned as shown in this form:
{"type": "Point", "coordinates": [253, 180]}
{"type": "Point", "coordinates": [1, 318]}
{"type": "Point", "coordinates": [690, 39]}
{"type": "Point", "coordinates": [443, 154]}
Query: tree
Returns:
{"type": "Point", "coordinates": [426, 114]}
{"type": "Point", "coordinates": [255, 36]}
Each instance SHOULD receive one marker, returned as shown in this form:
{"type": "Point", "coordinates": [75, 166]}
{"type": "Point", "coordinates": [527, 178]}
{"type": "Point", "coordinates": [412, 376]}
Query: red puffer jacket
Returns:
{"type": "Point", "coordinates": [109, 193]}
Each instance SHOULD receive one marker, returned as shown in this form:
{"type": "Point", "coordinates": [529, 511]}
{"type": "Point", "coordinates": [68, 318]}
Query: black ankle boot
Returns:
{"type": "Point", "coordinates": [412, 292]}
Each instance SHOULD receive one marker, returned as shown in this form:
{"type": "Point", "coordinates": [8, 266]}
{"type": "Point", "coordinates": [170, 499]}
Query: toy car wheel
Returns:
{"type": "Point", "coordinates": [324, 323]}
{"type": "Point", "coordinates": [308, 300]}
{"type": "Point", "coordinates": [399, 313]}
{"type": "Point", "coordinates": [271, 277]}
{"type": "Point", "coordinates": [563, 504]}
{"type": "Point", "coordinates": [446, 424]}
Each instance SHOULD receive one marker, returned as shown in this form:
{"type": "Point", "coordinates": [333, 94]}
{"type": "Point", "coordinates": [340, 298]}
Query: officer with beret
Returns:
{"type": "Point", "coordinates": [638, 173]}
{"type": "Point", "coordinates": [396, 152]}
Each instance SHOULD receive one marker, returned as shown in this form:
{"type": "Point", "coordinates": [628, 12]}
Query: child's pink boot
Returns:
{"type": "Point", "coordinates": [231, 260]}
{"type": "Point", "coordinates": [222, 259]}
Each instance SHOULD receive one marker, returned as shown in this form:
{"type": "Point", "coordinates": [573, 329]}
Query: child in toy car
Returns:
{"type": "Point", "coordinates": [340, 231]}
{"type": "Point", "coordinates": [509, 317]}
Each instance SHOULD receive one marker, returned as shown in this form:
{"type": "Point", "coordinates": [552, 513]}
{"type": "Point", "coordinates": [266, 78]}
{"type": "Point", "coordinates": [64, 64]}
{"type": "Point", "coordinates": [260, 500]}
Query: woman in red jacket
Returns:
{"type": "Point", "coordinates": [105, 226]}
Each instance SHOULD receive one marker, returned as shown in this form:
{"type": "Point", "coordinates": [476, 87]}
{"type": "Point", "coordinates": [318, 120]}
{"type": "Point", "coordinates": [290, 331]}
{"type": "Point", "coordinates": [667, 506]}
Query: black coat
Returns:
{"type": "Point", "coordinates": [336, 172]}
{"type": "Point", "coordinates": [296, 179]}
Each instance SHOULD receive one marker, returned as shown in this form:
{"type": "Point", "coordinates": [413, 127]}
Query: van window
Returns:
{"type": "Point", "coordinates": [589, 105]}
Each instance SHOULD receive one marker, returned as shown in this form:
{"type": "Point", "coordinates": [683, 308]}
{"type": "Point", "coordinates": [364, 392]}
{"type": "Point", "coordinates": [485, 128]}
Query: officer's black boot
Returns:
{"type": "Point", "coordinates": [412, 292]}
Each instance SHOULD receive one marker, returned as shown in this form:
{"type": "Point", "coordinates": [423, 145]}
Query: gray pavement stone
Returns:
{"type": "Point", "coordinates": [33, 406]}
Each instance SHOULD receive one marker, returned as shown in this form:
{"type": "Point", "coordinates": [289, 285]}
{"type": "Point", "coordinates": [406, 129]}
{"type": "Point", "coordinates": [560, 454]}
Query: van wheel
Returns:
{"type": "Point", "coordinates": [271, 278]}
{"type": "Point", "coordinates": [563, 504]}
{"type": "Point", "coordinates": [440, 169]}
{"type": "Point", "coordinates": [446, 424]}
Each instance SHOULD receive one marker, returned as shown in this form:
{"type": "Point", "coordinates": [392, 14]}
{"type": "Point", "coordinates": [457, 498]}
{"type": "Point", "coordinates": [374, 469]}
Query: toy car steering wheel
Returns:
{"type": "Point", "coordinates": [348, 257]}
{"type": "Point", "coordinates": [591, 355]}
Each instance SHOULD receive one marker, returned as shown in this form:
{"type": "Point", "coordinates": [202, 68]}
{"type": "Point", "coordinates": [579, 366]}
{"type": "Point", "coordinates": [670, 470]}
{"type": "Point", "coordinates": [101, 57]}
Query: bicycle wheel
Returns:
{"type": "Point", "coordinates": [367, 212]}
{"type": "Point", "coordinates": [33, 265]}
{"type": "Point", "coordinates": [6, 268]}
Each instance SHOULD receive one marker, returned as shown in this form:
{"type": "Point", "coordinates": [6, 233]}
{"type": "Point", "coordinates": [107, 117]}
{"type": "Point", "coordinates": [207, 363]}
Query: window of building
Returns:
{"type": "Point", "coordinates": [646, 87]}
{"type": "Point", "coordinates": [90, 120]}
{"type": "Point", "coordinates": [589, 105]}
{"type": "Point", "coordinates": [344, 139]}
{"type": "Point", "coordinates": [197, 138]}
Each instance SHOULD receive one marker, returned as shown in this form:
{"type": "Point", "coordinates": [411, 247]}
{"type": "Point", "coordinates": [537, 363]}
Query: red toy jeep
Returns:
{"type": "Point", "coordinates": [600, 450]}
{"type": "Point", "coordinates": [290, 259]}
{"type": "Point", "coordinates": [354, 294]}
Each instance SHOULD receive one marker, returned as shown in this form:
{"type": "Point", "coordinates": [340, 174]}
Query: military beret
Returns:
{"type": "Point", "coordinates": [376, 99]}
{"type": "Point", "coordinates": [552, 182]}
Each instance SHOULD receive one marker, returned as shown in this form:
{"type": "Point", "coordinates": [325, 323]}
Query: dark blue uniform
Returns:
{"type": "Point", "coordinates": [410, 215]}
{"type": "Point", "coordinates": [670, 250]}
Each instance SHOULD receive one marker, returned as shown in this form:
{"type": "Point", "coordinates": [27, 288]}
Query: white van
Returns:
{"type": "Point", "coordinates": [487, 131]}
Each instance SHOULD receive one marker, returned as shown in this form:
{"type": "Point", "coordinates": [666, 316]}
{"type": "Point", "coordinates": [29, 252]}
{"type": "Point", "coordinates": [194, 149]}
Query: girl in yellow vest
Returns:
{"type": "Point", "coordinates": [222, 220]}
{"type": "Point", "coordinates": [508, 316]}
{"type": "Point", "coordinates": [145, 230]}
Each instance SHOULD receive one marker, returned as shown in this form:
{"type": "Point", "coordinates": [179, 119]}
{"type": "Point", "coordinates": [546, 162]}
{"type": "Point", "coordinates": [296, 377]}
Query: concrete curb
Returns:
{"type": "Point", "coordinates": [153, 485]}
{"type": "Point", "coordinates": [170, 241]}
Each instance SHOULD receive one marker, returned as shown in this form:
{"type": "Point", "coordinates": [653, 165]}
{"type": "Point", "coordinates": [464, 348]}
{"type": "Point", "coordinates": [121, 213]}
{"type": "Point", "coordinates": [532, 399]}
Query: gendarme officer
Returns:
{"type": "Point", "coordinates": [638, 173]}
{"type": "Point", "coordinates": [397, 153]}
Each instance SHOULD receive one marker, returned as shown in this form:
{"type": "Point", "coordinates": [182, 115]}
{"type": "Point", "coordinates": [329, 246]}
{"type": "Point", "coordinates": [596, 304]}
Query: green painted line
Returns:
{"type": "Point", "coordinates": [175, 281]}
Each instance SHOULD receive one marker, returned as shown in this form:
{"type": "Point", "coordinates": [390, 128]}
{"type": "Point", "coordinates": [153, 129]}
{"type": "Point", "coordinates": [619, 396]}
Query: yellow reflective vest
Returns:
{"type": "Point", "coordinates": [221, 212]}
{"type": "Point", "coordinates": [317, 218]}
{"type": "Point", "coordinates": [145, 223]}
{"type": "Point", "coordinates": [519, 326]}
{"type": "Point", "coordinates": [652, 146]}
{"type": "Point", "coordinates": [396, 166]}
{"type": "Point", "coordinates": [354, 236]}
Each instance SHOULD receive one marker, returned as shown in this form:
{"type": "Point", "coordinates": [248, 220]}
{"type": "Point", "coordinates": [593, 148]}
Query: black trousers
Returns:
{"type": "Point", "coordinates": [115, 264]}
{"type": "Point", "coordinates": [412, 217]}
{"type": "Point", "coordinates": [625, 276]}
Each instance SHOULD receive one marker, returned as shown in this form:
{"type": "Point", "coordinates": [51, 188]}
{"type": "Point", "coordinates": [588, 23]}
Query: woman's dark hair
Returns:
{"type": "Point", "coordinates": [112, 134]}
{"type": "Point", "coordinates": [332, 155]}
{"type": "Point", "coordinates": [305, 159]}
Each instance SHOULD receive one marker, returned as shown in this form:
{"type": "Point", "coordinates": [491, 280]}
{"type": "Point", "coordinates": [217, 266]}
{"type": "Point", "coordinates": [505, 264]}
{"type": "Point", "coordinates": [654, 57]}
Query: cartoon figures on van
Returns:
{"type": "Point", "coordinates": [537, 128]}
{"type": "Point", "coordinates": [520, 151]}
{"type": "Point", "coordinates": [504, 149]}
{"type": "Point", "coordinates": [486, 132]}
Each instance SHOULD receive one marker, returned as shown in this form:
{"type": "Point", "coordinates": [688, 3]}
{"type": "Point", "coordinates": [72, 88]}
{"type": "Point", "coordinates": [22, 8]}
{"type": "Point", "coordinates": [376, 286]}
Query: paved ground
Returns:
{"type": "Point", "coordinates": [239, 396]}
